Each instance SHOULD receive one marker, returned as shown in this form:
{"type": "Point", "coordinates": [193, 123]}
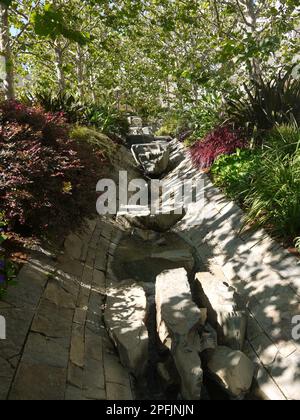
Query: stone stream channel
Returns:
{"type": "Point", "coordinates": [178, 306]}
{"type": "Point", "coordinates": [179, 329]}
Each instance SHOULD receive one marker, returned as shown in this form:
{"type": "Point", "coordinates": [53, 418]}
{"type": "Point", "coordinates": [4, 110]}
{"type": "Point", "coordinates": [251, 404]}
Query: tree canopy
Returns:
{"type": "Point", "coordinates": [145, 54]}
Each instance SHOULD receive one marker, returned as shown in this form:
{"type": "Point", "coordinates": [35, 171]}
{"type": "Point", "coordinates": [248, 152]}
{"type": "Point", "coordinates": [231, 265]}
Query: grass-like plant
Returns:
{"type": "Point", "coordinates": [284, 138]}
{"type": "Point", "coordinates": [266, 181]}
{"type": "Point", "coordinates": [104, 117]}
{"type": "Point", "coordinates": [264, 104]}
{"type": "Point", "coordinates": [274, 196]}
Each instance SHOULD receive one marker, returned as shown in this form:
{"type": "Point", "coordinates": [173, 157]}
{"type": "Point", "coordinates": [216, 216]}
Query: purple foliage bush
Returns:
{"type": "Point", "coordinates": [46, 178]}
{"type": "Point", "coordinates": [222, 141]}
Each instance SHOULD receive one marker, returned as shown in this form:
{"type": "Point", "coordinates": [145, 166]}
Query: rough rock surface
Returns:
{"type": "Point", "coordinates": [209, 339]}
{"type": "Point", "coordinates": [136, 121]}
{"type": "Point", "coordinates": [163, 222]}
{"type": "Point", "coordinates": [224, 309]}
{"type": "Point", "coordinates": [160, 222]}
{"type": "Point", "coordinates": [153, 157]}
{"type": "Point", "coordinates": [143, 260]}
{"type": "Point", "coordinates": [232, 370]}
{"type": "Point", "coordinates": [125, 315]}
{"type": "Point", "coordinates": [178, 323]}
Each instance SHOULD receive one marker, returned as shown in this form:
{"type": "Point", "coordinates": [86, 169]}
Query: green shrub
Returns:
{"type": "Point", "coordinates": [266, 181]}
{"type": "Point", "coordinates": [173, 125]}
{"type": "Point", "coordinates": [204, 117]}
{"type": "Point", "coordinates": [7, 268]}
{"type": "Point", "coordinates": [95, 139]}
{"type": "Point", "coordinates": [106, 119]}
{"type": "Point", "coordinates": [274, 196]}
{"type": "Point", "coordinates": [195, 122]}
{"type": "Point", "coordinates": [235, 173]}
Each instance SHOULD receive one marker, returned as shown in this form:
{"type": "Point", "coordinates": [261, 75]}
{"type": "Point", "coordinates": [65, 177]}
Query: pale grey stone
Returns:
{"type": "Point", "coordinates": [178, 320]}
{"type": "Point", "coordinates": [125, 315]}
{"type": "Point", "coordinates": [48, 351]}
{"type": "Point", "coordinates": [75, 376]}
{"type": "Point", "coordinates": [93, 375]}
{"type": "Point", "coordinates": [285, 373]}
{"type": "Point", "coordinates": [232, 370]}
{"type": "Point", "coordinates": [56, 294]}
{"type": "Point", "coordinates": [115, 371]}
{"type": "Point", "coordinates": [77, 350]}
{"type": "Point", "coordinates": [73, 246]}
{"type": "Point", "coordinates": [224, 309]}
{"type": "Point", "coordinates": [266, 388]}
{"type": "Point", "coordinates": [153, 157]}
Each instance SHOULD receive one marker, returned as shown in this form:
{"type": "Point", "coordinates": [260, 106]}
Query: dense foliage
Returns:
{"type": "Point", "coordinates": [267, 103]}
{"type": "Point", "coordinates": [147, 55]}
{"type": "Point", "coordinates": [222, 141]}
{"type": "Point", "coordinates": [266, 182]}
{"type": "Point", "coordinates": [193, 122]}
{"type": "Point", "coordinates": [7, 268]}
{"type": "Point", "coordinates": [235, 173]}
{"type": "Point", "coordinates": [44, 176]}
{"type": "Point", "coordinates": [105, 118]}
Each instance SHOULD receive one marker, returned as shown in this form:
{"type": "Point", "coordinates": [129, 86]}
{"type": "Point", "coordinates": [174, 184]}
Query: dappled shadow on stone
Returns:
{"type": "Point", "coordinates": [266, 275]}
{"type": "Point", "coordinates": [144, 260]}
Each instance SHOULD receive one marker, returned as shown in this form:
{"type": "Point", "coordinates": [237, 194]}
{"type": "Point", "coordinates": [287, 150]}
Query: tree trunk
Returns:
{"type": "Point", "coordinates": [255, 67]}
{"type": "Point", "coordinates": [59, 64]}
{"type": "Point", "coordinates": [92, 88]}
{"type": "Point", "coordinates": [5, 55]}
{"type": "Point", "coordinates": [80, 71]}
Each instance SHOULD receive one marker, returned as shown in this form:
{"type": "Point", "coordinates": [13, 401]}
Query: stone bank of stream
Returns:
{"type": "Point", "coordinates": [157, 317]}
{"type": "Point", "coordinates": [158, 307]}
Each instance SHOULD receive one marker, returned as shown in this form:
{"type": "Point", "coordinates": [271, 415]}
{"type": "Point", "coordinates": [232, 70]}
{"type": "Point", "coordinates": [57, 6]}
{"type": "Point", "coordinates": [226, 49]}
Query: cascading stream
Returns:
{"type": "Point", "coordinates": [157, 268]}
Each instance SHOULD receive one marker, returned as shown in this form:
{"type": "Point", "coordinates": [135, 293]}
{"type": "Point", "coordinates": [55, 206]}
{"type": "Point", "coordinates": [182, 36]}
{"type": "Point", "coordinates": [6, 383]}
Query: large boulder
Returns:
{"type": "Point", "coordinates": [152, 157]}
{"type": "Point", "coordinates": [135, 121]}
{"type": "Point", "coordinates": [233, 370]}
{"type": "Point", "coordinates": [161, 221]}
{"type": "Point", "coordinates": [178, 324]}
{"type": "Point", "coordinates": [226, 309]}
{"type": "Point", "coordinates": [143, 260]}
{"type": "Point", "coordinates": [147, 131]}
{"type": "Point", "coordinates": [135, 131]}
{"type": "Point", "coordinates": [164, 220]}
{"type": "Point", "coordinates": [125, 315]}
{"type": "Point", "coordinates": [177, 154]}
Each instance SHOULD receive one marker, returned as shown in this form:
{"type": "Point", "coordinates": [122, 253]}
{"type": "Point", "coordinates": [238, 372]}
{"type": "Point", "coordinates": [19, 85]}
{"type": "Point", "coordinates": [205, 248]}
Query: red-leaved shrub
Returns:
{"type": "Point", "coordinates": [222, 141]}
{"type": "Point", "coordinates": [46, 179]}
